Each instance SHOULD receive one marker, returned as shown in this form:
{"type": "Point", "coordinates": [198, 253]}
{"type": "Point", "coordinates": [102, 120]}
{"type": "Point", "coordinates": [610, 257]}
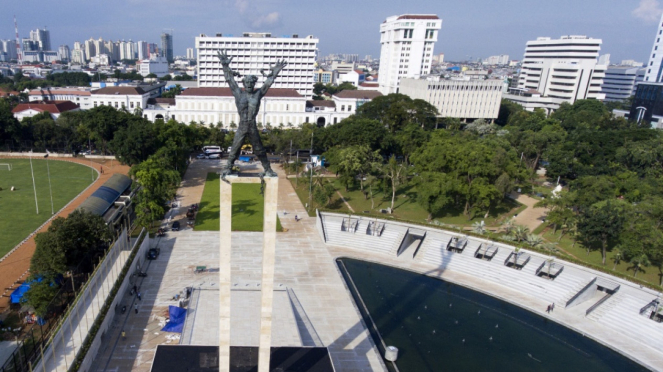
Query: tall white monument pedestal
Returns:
{"type": "Point", "coordinates": [268, 259]}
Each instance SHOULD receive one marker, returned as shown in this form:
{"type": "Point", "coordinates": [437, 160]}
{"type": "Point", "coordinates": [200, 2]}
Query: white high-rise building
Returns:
{"type": "Point", "coordinates": [253, 52]}
{"type": "Point", "coordinates": [189, 53]}
{"type": "Point", "coordinates": [90, 49]}
{"type": "Point", "coordinates": [620, 82]}
{"type": "Point", "coordinates": [143, 50]}
{"type": "Point", "coordinates": [407, 48]}
{"type": "Point", "coordinates": [78, 54]}
{"type": "Point", "coordinates": [654, 72]}
{"type": "Point", "coordinates": [559, 70]}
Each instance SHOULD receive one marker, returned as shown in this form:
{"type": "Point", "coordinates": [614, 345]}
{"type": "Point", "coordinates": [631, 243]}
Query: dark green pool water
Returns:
{"type": "Point", "coordinates": [440, 326]}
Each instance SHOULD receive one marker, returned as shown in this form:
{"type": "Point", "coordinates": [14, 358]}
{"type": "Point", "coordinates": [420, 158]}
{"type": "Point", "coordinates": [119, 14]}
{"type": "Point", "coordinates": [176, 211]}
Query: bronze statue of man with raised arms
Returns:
{"type": "Point", "coordinates": [248, 105]}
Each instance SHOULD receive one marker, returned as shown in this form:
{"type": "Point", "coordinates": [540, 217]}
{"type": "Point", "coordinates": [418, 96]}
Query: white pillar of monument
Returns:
{"type": "Point", "coordinates": [268, 262]}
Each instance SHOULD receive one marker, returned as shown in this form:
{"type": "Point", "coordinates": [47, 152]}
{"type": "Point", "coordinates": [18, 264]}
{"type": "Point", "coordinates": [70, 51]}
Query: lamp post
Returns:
{"type": "Point", "coordinates": [50, 190]}
{"type": "Point", "coordinates": [34, 187]}
{"type": "Point", "coordinates": [310, 181]}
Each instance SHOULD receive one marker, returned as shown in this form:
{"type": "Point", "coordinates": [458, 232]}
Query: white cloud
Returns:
{"type": "Point", "coordinates": [241, 5]}
{"type": "Point", "coordinates": [254, 13]}
{"type": "Point", "coordinates": [271, 19]}
{"type": "Point", "coordinates": [648, 11]}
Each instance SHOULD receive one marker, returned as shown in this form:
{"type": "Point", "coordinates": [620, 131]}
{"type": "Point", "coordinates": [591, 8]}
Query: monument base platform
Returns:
{"type": "Point", "coordinates": [242, 359]}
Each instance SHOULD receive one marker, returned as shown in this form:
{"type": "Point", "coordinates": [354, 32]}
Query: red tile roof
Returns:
{"type": "Point", "coordinates": [120, 90]}
{"type": "Point", "coordinates": [419, 16]}
{"type": "Point", "coordinates": [358, 94]}
{"type": "Point", "coordinates": [369, 84]}
{"type": "Point", "coordinates": [54, 107]}
{"type": "Point", "coordinates": [225, 92]}
{"type": "Point", "coordinates": [321, 103]}
{"type": "Point", "coordinates": [49, 91]}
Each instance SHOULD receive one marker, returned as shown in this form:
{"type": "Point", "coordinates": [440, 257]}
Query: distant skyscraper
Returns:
{"type": "Point", "coordinates": [152, 49]}
{"type": "Point", "coordinates": [407, 48]}
{"type": "Point", "coordinates": [167, 46]}
{"type": "Point", "coordinates": [654, 71]}
{"type": "Point", "coordinates": [63, 53]}
{"type": "Point", "coordinates": [143, 50]}
{"type": "Point", "coordinates": [42, 38]}
{"type": "Point", "coordinates": [9, 48]}
{"type": "Point", "coordinates": [30, 45]}
{"type": "Point", "coordinates": [189, 53]}
{"type": "Point", "coordinates": [90, 49]}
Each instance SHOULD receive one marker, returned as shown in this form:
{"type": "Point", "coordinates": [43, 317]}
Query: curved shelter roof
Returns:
{"type": "Point", "coordinates": [102, 199]}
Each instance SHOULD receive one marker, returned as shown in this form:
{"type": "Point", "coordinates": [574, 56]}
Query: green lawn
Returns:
{"type": "Point", "coordinates": [650, 275]}
{"type": "Point", "coordinates": [18, 217]}
{"type": "Point", "coordinates": [405, 205]}
{"type": "Point", "coordinates": [248, 207]}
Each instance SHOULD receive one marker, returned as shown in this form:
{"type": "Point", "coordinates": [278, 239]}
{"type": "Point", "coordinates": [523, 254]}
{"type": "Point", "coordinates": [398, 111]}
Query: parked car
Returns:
{"type": "Point", "coordinates": [201, 156]}
{"type": "Point", "coordinates": [176, 226]}
{"type": "Point", "coordinates": [214, 156]}
{"type": "Point", "coordinates": [153, 253]}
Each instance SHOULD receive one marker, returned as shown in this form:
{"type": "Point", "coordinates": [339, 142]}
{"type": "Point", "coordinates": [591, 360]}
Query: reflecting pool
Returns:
{"type": "Point", "coordinates": [440, 326]}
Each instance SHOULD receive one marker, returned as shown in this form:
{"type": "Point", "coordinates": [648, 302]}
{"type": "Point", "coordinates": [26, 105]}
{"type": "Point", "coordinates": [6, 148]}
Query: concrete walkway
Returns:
{"type": "Point", "coordinates": [531, 217]}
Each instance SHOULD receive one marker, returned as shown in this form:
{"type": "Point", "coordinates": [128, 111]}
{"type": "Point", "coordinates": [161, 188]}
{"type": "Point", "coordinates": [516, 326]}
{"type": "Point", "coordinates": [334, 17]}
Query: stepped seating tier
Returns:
{"type": "Point", "coordinates": [621, 312]}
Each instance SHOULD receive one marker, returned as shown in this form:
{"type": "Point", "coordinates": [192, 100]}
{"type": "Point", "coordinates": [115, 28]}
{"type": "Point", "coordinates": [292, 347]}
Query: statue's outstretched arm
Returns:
{"type": "Point", "coordinates": [274, 71]}
{"type": "Point", "coordinates": [227, 72]}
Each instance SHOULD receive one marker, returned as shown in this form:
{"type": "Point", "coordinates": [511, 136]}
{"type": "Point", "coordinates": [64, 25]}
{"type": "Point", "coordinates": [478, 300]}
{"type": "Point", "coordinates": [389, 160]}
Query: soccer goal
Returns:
{"type": "Point", "coordinates": [6, 166]}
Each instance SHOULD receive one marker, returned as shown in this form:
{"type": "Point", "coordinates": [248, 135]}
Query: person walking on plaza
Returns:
{"type": "Point", "coordinates": [136, 308]}
{"type": "Point", "coordinates": [138, 295]}
{"type": "Point", "coordinates": [124, 335]}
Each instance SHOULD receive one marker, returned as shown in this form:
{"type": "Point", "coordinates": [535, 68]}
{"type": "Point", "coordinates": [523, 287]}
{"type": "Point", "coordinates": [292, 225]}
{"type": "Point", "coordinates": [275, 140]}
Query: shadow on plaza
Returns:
{"type": "Point", "coordinates": [389, 309]}
{"type": "Point", "coordinates": [117, 353]}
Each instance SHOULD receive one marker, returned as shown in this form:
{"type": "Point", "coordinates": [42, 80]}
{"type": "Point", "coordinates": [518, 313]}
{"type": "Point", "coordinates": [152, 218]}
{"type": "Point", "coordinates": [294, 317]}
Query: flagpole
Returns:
{"type": "Point", "coordinates": [33, 183]}
{"type": "Point", "coordinates": [50, 191]}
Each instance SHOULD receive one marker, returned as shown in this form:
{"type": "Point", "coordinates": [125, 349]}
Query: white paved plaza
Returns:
{"type": "Point", "coordinates": [312, 306]}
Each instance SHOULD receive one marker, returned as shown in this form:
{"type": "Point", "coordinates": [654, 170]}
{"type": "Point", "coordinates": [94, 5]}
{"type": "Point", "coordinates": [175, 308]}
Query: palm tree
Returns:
{"type": "Point", "coordinates": [508, 226]}
{"type": "Point", "coordinates": [638, 263]}
{"type": "Point", "coordinates": [617, 256]}
{"type": "Point", "coordinates": [479, 227]}
{"type": "Point", "coordinates": [534, 241]}
{"type": "Point", "coordinates": [519, 233]}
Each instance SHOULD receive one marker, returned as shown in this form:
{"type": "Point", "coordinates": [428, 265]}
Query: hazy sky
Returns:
{"type": "Point", "coordinates": [476, 28]}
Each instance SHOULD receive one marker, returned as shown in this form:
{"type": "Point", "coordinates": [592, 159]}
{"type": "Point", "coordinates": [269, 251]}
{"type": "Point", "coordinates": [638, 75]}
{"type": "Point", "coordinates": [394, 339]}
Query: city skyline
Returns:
{"type": "Point", "coordinates": [627, 28]}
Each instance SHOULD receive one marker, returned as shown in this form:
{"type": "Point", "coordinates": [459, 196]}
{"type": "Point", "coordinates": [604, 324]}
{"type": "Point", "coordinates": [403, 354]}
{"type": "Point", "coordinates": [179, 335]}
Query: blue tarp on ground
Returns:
{"type": "Point", "coordinates": [18, 293]}
{"type": "Point", "coordinates": [177, 318]}
{"type": "Point", "coordinates": [245, 158]}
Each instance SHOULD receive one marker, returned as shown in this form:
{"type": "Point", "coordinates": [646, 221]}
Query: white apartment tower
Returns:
{"type": "Point", "coordinates": [559, 70]}
{"type": "Point", "coordinates": [253, 52]}
{"type": "Point", "coordinates": [407, 48]}
{"type": "Point", "coordinates": [654, 71]}
{"type": "Point", "coordinates": [189, 53]}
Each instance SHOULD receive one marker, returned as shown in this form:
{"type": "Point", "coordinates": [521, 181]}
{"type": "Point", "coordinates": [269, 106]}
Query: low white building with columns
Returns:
{"type": "Point", "coordinates": [280, 107]}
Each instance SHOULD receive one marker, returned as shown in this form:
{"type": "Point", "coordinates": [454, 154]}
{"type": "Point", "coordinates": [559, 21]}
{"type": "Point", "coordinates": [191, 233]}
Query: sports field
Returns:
{"type": "Point", "coordinates": [248, 207]}
{"type": "Point", "coordinates": [18, 212]}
